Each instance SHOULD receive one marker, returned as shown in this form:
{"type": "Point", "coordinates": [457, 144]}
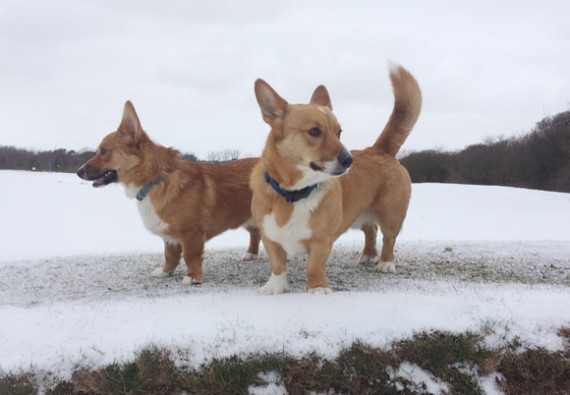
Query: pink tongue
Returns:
{"type": "Point", "coordinates": [98, 182]}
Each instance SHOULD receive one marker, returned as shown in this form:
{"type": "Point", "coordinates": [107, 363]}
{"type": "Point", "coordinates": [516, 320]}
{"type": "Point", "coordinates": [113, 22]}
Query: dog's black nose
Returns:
{"type": "Point", "coordinates": [81, 172]}
{"type": "Point", "coordinates": [345, 159]}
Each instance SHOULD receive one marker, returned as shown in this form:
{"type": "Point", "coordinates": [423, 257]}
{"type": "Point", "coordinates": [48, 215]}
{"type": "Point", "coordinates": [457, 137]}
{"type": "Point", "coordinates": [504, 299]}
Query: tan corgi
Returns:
{"type": "Point", "coordinates": [183, 202]}
{"type": "Point", "coordinates": [308, 189]}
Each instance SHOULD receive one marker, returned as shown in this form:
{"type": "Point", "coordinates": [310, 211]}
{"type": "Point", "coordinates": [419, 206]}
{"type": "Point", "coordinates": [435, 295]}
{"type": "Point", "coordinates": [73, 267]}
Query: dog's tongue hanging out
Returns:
{"type": "Point", "coordinates": [99, 182]}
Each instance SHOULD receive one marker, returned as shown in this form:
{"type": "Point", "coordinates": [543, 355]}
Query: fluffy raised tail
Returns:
{"type": "Point", "coordinates": [407, 107]}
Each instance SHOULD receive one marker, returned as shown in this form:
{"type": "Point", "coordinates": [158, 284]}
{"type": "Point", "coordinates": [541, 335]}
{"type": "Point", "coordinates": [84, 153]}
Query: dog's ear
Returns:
{"type": "Point", "coordinates": [130, 124]}
{"type": "Point", "coordinates": [272, 105]}
{"type": "Point", "coordinates": [321, 97]}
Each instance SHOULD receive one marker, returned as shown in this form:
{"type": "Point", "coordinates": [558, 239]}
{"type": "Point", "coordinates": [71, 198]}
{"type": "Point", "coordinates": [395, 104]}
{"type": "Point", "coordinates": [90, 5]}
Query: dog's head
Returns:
{"type": "Point", "coordinates": [118, 153]}
{"type": "Point", "coordinates": [306, 136]}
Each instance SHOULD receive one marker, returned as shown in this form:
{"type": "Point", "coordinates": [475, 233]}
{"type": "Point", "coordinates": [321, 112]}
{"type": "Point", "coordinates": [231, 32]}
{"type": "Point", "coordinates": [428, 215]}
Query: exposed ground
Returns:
{"type": "Point", "coordinates": [33, 282]}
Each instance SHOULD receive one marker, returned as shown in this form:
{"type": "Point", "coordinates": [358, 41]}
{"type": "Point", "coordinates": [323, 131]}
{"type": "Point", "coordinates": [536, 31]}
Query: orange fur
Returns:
{"type": "Point", "coordinates": [375, 192]}
{"type": "Point", "coordinates": [192, 203]}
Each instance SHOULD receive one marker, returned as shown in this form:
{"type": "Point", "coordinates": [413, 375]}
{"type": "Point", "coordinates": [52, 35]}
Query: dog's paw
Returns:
{"type": "Point", "coordinates": [386, 267]}
{"type": "Point", "coordinates": [364, 259]}
{"type": "Point", "coordinates": [158, 272]}
{"type": "Point", "coordinates": [187, 280]}
{"type": "Point", "coordinates": [250, 257]}
{"type": "Point", "coordinates": [275, 285]}
{"type": "Point", "coordinates": [320, 291]}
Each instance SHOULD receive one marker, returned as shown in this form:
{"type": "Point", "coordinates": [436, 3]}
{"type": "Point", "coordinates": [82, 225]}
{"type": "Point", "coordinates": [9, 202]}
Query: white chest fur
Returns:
{"type": "Point", "coordinates": [297, 228]}
{"type": "Point", "coordinates": [150, 218]}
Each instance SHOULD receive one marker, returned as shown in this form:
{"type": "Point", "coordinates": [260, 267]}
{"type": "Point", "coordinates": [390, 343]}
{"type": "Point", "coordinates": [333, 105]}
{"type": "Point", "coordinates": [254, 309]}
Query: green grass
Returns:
{"type": "Point", "coordinates": [456, 359]}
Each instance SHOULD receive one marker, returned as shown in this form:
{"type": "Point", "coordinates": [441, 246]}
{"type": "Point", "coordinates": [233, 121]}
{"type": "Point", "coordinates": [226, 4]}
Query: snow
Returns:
{"type": "Point", "coordinates": [422, 379]}
{"type": "Point", "coordinates": [75, 284]}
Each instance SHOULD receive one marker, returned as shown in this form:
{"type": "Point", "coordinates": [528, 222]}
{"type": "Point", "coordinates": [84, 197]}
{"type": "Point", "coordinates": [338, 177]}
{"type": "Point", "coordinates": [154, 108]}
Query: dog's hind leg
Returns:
{"type": "Point", "coordinates": [390, 226]}
{"type": "Point", "coordinates": [193, 251]}
{"type": "Point", "coordinates": [387, 263]}
{"type": "Point", "coordinates": [370, 252]}
{"type": "Point", "coordinates": [254, 239]}
{"type": "Point", "coordinates": [172, 253]}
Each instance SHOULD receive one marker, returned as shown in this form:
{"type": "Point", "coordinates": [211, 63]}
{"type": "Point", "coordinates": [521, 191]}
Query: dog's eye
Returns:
{"type": "Point", "coordinates": [103, 151]}
{"type": "Point", "coordinates": [315, 132]}
{"type": "Point", "coordinates": [339, 132]}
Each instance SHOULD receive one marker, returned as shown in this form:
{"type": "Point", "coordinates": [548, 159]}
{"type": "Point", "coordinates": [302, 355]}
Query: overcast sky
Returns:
{"type": "Point", "coordinates": [486, 68]}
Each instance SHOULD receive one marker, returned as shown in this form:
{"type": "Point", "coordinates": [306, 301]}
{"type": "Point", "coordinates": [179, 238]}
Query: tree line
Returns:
{"type": "Point", "coordinates": [60, 160]}
{"type": "Point", "coordinates": [68, 161]}
{"type": "Point", "coordinates": [539, 159]}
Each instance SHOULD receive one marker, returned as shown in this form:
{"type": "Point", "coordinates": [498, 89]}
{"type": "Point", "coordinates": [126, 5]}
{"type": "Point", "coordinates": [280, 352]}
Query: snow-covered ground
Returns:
{"type": "Point", "coordinates": [75, 285]}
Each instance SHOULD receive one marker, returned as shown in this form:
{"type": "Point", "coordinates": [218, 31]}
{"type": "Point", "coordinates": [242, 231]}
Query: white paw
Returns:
{"type": "Point", "coordinates": [158, 272]}
{"type": "Point", "coordinates": [386, 267]}
{"type": "Point", "coordinates": [320, 291]}
{"type": "Point", "coordinates": [275, 285]}
{"type": "Point", "coordinates": [187, 280]}
{"type": "Point", "coordinates": [362, 259]}
{"type": "Point", "coordinates": [250, 257]}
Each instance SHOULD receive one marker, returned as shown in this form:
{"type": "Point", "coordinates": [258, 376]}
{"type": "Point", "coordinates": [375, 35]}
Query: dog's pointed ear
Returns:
{"type": "Point", "coordinates": [321, 97]}
{"type": "Point", "coordinates": [272, 105]}
{"type": "Point", "coordinates": [130, 124]}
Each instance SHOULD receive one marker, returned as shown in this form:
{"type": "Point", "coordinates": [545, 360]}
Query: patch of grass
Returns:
{"type": "Point", "coordinates": [456, 359]}
{"type": "Point", "coordinates": [364, 370]}
{"type": "Point", "coordinates": [221, 376]}
{"type": "Point", "coordinates": [310, 373]}
{"type": "Point", "coordinates": [564, 333]}
{"type": "Point", "coordinates": [153, 371]}
{"type": "Point", "coordinates": [443, 354]}
{"type": "Point", "coordinates": [16, 384]}
{"type": "Point", "coordinates": [535, 371]}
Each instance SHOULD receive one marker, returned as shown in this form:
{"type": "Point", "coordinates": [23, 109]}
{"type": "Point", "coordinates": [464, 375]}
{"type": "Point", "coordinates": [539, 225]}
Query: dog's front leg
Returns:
{"type": "Point", "coordinates": [317, 282]}
{"type": "Point", "coordinates": [277, 283]}
{"type": "Point", "coordinates": [172, 253]}
{"type": "Point", "coordinates": [193, 251]}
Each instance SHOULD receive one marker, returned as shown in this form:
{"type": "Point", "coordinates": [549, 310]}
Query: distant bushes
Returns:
{"type": "Point", "coordinates": [61, 160]}
{"type": "Point", "coordinates": [537, 160]}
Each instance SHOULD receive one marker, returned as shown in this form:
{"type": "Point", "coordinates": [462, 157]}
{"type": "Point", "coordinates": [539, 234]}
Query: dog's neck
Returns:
{"type": "Point", "coordinates": [290, 196]}
{"type": "Point", "coordinates": [141, 194]}
{"type": "Point", "coordinates": [136, 191]}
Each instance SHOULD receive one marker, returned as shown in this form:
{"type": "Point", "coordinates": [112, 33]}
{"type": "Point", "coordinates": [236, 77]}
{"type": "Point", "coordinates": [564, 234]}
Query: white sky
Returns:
{"type": "Point", "coordinates": [487, 68]}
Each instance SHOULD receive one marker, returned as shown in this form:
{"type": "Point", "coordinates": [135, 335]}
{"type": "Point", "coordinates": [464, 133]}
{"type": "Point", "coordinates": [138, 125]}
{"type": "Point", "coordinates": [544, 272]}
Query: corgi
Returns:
{"type": "Point", "coordinates": [308, 189]}
{"type": "Point", "coordinates": [183, 202]}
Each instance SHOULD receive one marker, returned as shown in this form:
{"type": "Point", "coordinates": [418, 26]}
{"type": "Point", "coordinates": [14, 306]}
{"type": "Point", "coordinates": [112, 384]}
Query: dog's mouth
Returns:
{"type": "Point", "coordinates": [105, 178]}
{"type": "Point", "coordinates": [336, 167]}
{"type": "Point", "coordinates": [332, 168]}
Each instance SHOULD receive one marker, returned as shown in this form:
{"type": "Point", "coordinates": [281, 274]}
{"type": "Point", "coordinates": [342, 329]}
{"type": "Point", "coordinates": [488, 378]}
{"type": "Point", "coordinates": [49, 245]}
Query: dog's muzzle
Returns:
{"type": "Point", "coordinates": [100, 178]}
{"type": "Point", "coordinates": [335, 167]}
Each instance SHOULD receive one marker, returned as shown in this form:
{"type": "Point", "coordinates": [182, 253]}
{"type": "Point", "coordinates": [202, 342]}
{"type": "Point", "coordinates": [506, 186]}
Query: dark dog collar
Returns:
{"type": "Point", "coordinates": [147, 187]}
{"type": "Point", "coordinates": [290, 196]}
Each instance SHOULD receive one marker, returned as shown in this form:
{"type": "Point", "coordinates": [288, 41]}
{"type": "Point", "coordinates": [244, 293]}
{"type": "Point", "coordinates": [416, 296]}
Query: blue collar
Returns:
{"type": "Point", "coordinates": [147, 187]}
{"type": "Point", "coordinates": [290, 196]}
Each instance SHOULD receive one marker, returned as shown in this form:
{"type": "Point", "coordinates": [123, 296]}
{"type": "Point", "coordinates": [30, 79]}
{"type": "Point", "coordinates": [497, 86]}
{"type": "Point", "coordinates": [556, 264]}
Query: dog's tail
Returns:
{"type": "Point", "coordinates": [407, 107]}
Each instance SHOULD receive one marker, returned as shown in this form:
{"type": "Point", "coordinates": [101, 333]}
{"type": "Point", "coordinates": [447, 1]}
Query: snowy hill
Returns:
{"type": "Point", "coordinates": [75, 285]}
